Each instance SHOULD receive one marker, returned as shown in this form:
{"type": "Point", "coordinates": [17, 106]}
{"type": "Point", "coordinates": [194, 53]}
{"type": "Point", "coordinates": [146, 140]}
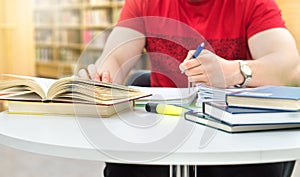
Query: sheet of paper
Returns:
{"type": "Point", "coordinates": [207, 93]}
{"type": "Point", "coordinates": [168, 95]}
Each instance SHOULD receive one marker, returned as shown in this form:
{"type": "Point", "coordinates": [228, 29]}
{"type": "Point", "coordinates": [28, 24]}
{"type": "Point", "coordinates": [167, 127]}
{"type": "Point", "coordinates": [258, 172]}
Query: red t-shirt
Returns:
{"type": "Point", "coordinates": [172, 27]}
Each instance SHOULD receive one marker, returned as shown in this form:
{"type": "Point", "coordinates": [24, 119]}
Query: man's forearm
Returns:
{"type": "Point", "coordinates": [274, 69]}
{"type": "Point", "coordinates": [275, 58]}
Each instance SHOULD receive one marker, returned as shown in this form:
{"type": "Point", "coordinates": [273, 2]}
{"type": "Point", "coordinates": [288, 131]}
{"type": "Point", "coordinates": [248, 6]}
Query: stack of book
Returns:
{"type": "Point", "coordinates": [67, 96]}
{"type": "Point", "coordinates": [258, 109]}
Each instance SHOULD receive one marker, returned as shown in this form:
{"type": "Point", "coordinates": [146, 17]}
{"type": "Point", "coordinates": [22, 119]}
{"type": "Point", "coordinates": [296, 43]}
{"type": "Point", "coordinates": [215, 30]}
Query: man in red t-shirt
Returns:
{"type": "Point", "coordinates": [233, 31]}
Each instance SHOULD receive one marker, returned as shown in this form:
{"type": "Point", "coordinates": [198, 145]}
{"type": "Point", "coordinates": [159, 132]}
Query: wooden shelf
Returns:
{"type": "Point", "coordinates": [97, 27]}
{"type": "Point", "coordinates": [44, 8]}
{"type": "Point", "coordinates": [44, 44]}
{"type": "Point", "coordinates": [43, 27]}
{"type": "Point", "coordinates": [92, 48]}
{"type": "Point", "coordinates": [71, 27]}
{"type": "Point", "coordinates": [107, 4]}
{"type": "Point", "coordinates": [118, 4]}
{"type": "Point", "coordinates": [70, 7]}
{"type": "Point", "coordinates": [54, 69]}
{"type": "Point", "coordinates": [71, 45]}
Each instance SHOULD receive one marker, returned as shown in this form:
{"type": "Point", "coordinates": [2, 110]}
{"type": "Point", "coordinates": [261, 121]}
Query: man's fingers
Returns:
{"type": "Point", "coordinates": [92, 74]}
{"type": "Point", "coordinates": [83, 74]}
{"type": "Point", "coordinates": [106, 76]}
{"type": "Point", "coordinates": [92, 71]}
{"type": "Point", "coordinates": [201, 78]}
{"type": "Point", "coordinates": [182, 66]}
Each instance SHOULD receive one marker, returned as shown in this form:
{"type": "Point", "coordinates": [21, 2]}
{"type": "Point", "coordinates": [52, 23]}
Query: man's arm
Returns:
{"type": "Point", "coordinates": [122, 50]}
{"type": "Point", "coordinates": [275, 62]}
{"type": "Point", "coordinates": [276, 58]}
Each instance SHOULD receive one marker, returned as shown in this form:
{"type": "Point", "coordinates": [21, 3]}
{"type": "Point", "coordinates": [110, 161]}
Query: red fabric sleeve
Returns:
{"type": "Point", "coordinates": [131, 9]}
{"type": "Point", "coordinates": [131, 15]}
{"type": "Point", "coordinates": [264, 15]}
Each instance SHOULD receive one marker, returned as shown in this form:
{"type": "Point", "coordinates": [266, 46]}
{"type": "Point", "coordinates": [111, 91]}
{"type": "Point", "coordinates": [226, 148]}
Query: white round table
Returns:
{"type": "Point", "coordinates": [144, 138]}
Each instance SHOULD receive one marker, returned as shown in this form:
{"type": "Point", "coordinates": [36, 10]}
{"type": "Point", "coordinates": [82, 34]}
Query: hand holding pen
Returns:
{"type": "Point", "coordinates": [210, 69]}
{"type": "Point", "coordinates": [195, 55]}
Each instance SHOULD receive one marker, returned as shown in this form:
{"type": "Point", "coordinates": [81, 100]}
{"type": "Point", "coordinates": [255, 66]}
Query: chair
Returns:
{"type": "Point", "coordinates": [139, 78]}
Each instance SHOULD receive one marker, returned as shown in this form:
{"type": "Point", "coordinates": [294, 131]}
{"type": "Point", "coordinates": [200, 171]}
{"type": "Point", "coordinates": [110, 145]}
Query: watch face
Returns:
{"type": "Point", "coordinates": [246, 70]}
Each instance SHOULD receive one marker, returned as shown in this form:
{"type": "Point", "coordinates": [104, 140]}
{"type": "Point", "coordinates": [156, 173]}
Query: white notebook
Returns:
{"type": "Point", "coordinates": [168, 95]}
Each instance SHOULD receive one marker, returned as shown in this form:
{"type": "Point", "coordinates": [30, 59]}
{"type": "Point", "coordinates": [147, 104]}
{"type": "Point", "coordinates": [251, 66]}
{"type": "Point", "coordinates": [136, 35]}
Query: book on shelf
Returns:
{"type": "Point", "coordinates": [73, 109]}
{"type": "Point", "coordinates": [67, 90]}
{"type": "Point", "coordinates": [97, 17]}
{"type": "Point", "coordinates": [269, 97]}
{"type": "Point", "coordinates": [236, 119]}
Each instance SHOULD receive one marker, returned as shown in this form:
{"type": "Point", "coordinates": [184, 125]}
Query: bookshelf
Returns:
{"type": "Point", "coordinates": [65, 28]}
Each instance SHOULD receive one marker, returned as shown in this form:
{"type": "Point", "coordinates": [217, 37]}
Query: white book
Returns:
{"type": "Point", "coordinates": [208, 93]}
{"type": "Point", "coordinates": [167, 95]}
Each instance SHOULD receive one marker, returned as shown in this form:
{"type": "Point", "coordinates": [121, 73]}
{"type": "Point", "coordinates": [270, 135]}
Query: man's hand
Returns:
{"type": "Point", "coordinates": [212, 70]}
{"type": "Point", "coordinates": [92, 74]}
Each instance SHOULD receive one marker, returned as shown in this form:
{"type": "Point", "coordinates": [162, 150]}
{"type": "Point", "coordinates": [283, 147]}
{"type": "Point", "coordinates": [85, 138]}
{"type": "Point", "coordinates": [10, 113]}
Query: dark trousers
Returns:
{"type": "Point", "coordinates": [281, 169]}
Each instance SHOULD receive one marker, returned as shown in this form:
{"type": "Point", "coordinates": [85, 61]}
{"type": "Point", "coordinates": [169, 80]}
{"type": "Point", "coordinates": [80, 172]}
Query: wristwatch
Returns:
{"type": "Point", "coordinates": [246, 72]}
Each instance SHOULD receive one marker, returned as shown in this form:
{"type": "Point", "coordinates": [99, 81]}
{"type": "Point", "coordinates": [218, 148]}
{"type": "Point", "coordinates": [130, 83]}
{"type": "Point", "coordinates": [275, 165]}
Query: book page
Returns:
{"type": "Point", "coordinates": [208, 93]}
{"type": "Point", "coordinates": [22, 96]}
{"type": "Point", "coordinates": [44, 83]}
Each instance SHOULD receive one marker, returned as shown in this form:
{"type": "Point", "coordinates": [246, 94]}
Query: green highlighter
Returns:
{"type": "Point", "coordinates": [165, 109]}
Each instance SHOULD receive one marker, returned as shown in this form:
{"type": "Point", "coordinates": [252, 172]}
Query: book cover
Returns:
{"type": "Point", "coordinates": [270, 97]}
{"type": "Point", "coordinates": [73, 109]}
{"type": "Point", "coordinates": [251, 116]}
{"type": "Point", "coordinates": [206, 120]}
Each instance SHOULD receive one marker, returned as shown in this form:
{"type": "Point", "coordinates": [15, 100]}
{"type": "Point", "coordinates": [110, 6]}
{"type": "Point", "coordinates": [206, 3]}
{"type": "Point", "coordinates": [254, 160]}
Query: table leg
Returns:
{"type": "Point", "coordinates": [288, 168]}
{"type": "Point", "coordinates": [180, 171]}
{"type": "Point", "coordinates": [171, 170]}
{"type": "Point", "coordinates": [186, 172]}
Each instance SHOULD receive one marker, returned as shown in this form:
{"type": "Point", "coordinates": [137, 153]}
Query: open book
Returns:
{"type": "Point", "coordinates": [68, 89]}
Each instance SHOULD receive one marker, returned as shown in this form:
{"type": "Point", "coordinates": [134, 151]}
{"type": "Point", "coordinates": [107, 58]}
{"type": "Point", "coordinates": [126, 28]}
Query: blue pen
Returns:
{"type": "Point", "coordinates": [198, 50]}
{"type": "Point", "coordinates": [195, 55]}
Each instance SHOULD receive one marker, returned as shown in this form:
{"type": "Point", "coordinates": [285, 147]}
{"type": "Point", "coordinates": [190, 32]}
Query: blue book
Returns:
{"type": "Point", "coordinates": [236, 119]}
{"type": "Point", "coordinates": [269, 97]}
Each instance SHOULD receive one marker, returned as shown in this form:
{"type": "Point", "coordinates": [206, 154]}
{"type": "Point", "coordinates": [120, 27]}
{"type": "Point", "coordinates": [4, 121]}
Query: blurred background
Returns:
{"type": "Point", "coordinates": [47, 38]}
